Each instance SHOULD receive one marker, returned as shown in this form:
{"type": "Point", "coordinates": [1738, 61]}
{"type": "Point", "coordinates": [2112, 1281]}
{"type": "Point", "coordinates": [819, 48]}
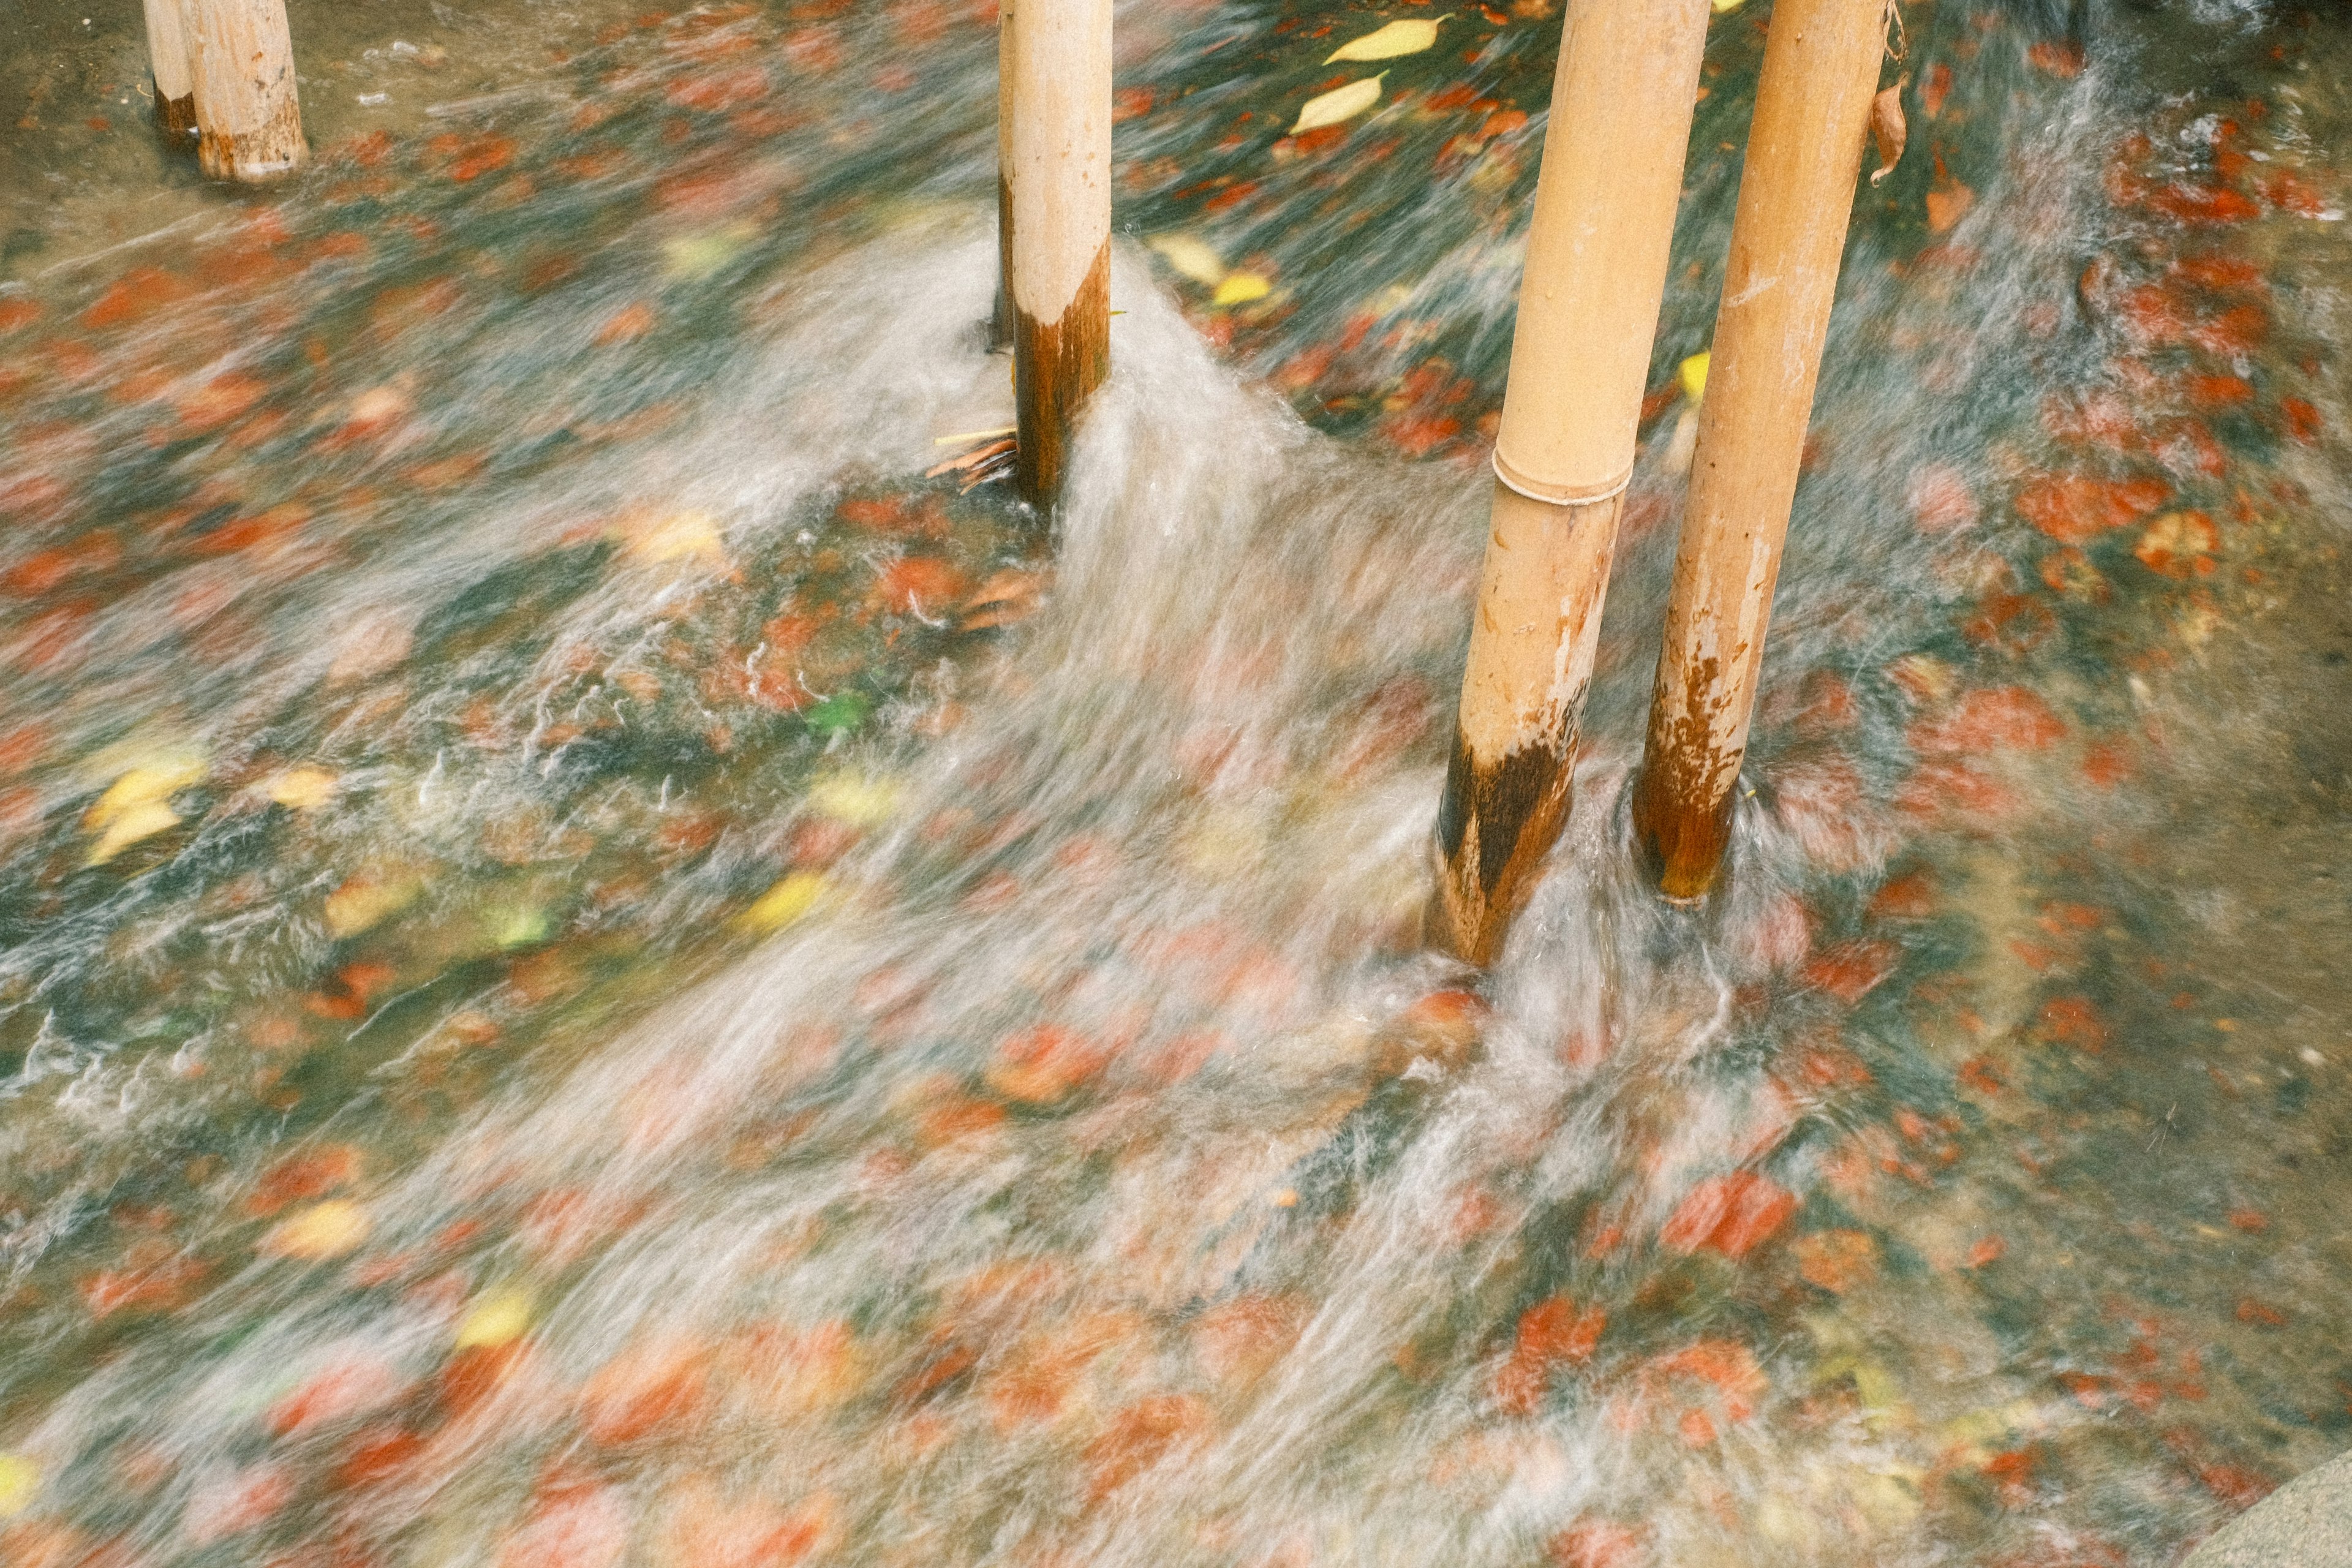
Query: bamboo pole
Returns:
{"type": "Point", "coordinates": [170, 53]}
{"type": "Point", "coordinates": [1804, 151]}
{"type": "Point", "coordinates": [1056, 79]}
{"type": "Point", "coordinates": [1000, 320]}
{"type": "Point", "coordinates": [248, 121]}
{"type": "Point", "coordinates": [1589, 297]}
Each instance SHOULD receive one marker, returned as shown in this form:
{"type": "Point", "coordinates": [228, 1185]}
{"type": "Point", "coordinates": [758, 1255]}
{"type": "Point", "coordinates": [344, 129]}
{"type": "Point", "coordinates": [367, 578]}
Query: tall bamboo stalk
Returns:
{"type": "Point", "coordinates": [171, 55]}
{"type": "Point", "coordinates": [1804, 151]}
{"type": "Point", "coordinates": [1054, 98]}
{"type": "Point", "coordinates": [1589, 297]}
{"type": "Point", "coordinates": [248, 120]}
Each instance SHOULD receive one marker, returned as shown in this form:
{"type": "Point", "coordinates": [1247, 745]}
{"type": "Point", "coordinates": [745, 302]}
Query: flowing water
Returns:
{"type": "Point", "coordinates": [596, 971]}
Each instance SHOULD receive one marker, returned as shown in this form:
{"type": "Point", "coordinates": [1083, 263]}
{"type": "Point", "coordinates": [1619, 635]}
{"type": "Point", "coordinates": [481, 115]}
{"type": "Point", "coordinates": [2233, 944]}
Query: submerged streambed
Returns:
{"type": "Point", "coordinates": [596, 971]}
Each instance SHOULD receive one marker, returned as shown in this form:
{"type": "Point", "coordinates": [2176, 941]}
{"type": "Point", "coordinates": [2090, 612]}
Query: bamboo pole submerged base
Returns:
{"type": "Point", "coordinates": [269, 152]}
{"type": "Point", "coordinates": [248, 112]}
{"type": "Point", "coordinates": [1788, 236]}
{"type": "Point", "coordinates": [1683, 823]}
{"type": "Point", "coordinates": [1509, 785]}
{"type": "Point", "coordinates": [170, 53]}
{"type": "Point", "coordinates": [1057, 365]}
{"type": "Point", "coordinates": [175, 118]}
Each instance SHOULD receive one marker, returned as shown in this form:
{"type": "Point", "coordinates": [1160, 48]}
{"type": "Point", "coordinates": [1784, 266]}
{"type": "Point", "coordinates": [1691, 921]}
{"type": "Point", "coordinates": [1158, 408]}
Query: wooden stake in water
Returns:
{"type": "Point", "coordinates": [1589, 298]}
{"type": "Point", "coordinates": [1804, 152]}
{"type": "Point", "coordinates": [1055, 66]}
{"type": "Point", "coordinates": [248, 122]}
{"type": "Point", "coordinates": [172, 54]}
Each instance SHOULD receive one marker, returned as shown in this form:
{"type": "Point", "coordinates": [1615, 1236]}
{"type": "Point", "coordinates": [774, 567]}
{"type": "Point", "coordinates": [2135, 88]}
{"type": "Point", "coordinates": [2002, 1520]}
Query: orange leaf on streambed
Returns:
{"type": "Point", "coordinates": [626, 324]}
{"type": "Point", "coordinates": [707, 1528]}
{"type": "Point", "coordinates": [574, 1524]}
{"type": "Point", "coordinates": [1240, 1341]}
{"type": "Point", "coordinates": [1598, 1543]}
{"type": "Point", "coordinates": [1730, 1214]}
{"type": "Point", "coordinates": [1850, 970]}
{"type": "Point", "coordinates": [1550, 1334]}
{"type": "Point", "coordinates": [1038, 1065]}
{"type": "Point", "coordinates": [1948, 202]}
{"type": "Point", "coordinates": [349, 1385]}
{"type": "Point", "coordinates": [137, 292]}
{"type": "Point", "coordinates": [1139, 1437]}
{"type": "Point", "coordinates": [1836, 1260]}
{"type": "Point", "coordinates": [1990, 718]}
{"type": "Point", "coordinates": [661, 1387]}
{"type": "Point", "coordinates": [1727, 1365]}
{"type": "Point", "coordinates": [377, 1454]}
{"type": "Point", "coordinates": [234, 1503]}
{"type": "Point", "coordinates": [313, 1174]}
{"type": "Point", "coordinates": [920, 586]}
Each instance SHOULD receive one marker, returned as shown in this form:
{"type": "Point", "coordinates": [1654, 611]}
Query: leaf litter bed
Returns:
{"type": "Point", "coordinates": [594, 971]}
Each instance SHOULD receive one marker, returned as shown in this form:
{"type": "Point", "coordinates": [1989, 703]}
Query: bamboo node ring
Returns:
{"type": "Point", "coordinates": [1554, 494]}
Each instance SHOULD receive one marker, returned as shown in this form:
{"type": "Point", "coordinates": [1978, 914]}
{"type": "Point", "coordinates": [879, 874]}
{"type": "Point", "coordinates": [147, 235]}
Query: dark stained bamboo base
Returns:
{"type": "Point", "coordinates": [1496, 823]}
{"type": "Point", "coordinates": [272, 152]}
{"type": "Point", "coordinates": [1683, 834]}
{"type": "Point", "coordinates": [1055, 368]}
{"type": "Point", "coordinates": [175, 118]}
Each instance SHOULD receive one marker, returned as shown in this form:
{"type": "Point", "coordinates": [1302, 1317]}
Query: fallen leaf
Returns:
{"type": "Point", "coordinates": [1190, 257]}
{"type": "Point", "coordinates": [149, 782]}
{"type": "Point", "coordinates": [19, 1479]}
{"type": "Point", "coordinates": [302, 789]}
{"type": "Point", "coordinates": [1948, 204]}
{"type": "Point", "coordinates": [142, 821]}
{"type": "Point", "coordinates": [687, 536]}
{"type": "Point", "coordinates": [1240, 288]}
{"type": "Point", "coordinates": [368, 899]}
{"type": "Point", "coordinates": [1887, 129]}
{"type": "Point", "coordinates": [1339, 103]}
{"type": "Point", "coordinates": [499, 1318]}
{"type": "Point", "coordinates": [783, 904]}
{"type": "Point", "coordinates": [320, 1232]}
{"type": "Point", "coordinates": [1405, 38]}
{"type": "Point", "coordinates": [1692, 373]}
{"type": "Point", "coordinates": [980, 457]}
{"type": "Point", "coordinates": [859, 801]}
{"type": "Point", "coordinates": [692, 256]}
{"type": "Point", "coordinates": [2177, 543]}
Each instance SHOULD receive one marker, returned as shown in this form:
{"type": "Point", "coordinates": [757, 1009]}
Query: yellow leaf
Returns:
{"type": "Point", "coordinates": [1241, 289]}
{"type": "Point", "coordinates": [19, 1479]}
{"type": "Point", "coordinates": [1693, 376]}
{"type": "Point", "coordinates": [859, 802]}
{"type": "Point", "coordinates": [370, 899]}
{"type": "Point", "coordinates": [783, 904]}
{"type": "Point", "coordinates": [517, 926]}
{"type": "Point", "coordinates": [499, 1318]}
{"type": "Point", "coordinates": [302, 789]}
{"type": "Point", "coordinates": [675, 536]}
{"type": "Point", "coordinates": [1396, 38]}
{"type": "Point", "coordinates": [1339, 103]}
{"type": "Point", "coordinates": [134, 823]}
{"type": "Point", "coordinates": [700, 255]}
{"type": "Point", "coordinates": [1723, 6]}
{"type": "Point", "coordinates": [157, 779]}
{"type": "Point", "coordinates": [319, 1232]}
{"type": "Point", "coordinates": [1189, 257]}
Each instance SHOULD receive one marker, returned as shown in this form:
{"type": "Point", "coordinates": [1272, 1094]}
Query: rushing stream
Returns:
{"type": "Point", "coordinates": [594, 969]}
